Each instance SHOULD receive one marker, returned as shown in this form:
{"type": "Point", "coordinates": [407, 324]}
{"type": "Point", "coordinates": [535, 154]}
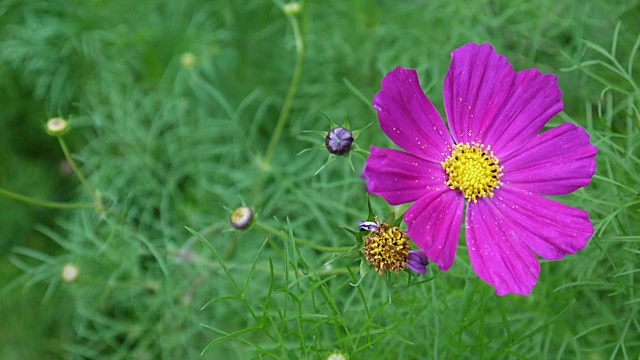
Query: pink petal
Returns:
{"type": "Point", "coordinates": [473, 90]}
{"type": "Point", "coordinates": [496, 254]}
{"type": "Point", "coordinates": [550, 229]}
{"type": "Point", "coordinates": [557, 162]}
{"type": "Point", "coordinates": [434, 225]}
{"type": "Point", "coordinates": [408, 117]}
{"type": "Point", "coordinates": [486, 102]}
{"type": "Point", "coordinates": [400, 177]}
{"type": "Point", "coordinates": [503, 234]}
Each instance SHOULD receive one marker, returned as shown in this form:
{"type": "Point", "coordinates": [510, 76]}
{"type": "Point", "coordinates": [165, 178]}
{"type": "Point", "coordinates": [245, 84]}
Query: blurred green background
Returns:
{"type": "Point", "coordinates": [170, 143]}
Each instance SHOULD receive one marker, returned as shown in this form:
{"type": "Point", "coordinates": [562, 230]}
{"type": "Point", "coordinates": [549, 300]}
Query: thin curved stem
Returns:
{"type": "Point", "coordinates": [96, 198]}
{"type": "Point", "coordinates": [44, 204]}
{"type": "Point", "coordinates": [293, 87]}
{"type": "Point", "coordinates": [306, 243]}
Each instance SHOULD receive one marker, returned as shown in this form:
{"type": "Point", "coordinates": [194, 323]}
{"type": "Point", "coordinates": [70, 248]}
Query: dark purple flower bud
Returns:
{"type": "Point", "coordinates": [367, 225]}
{"type": "Point", "coordinates": [417, 262]}
{"type": "Point", "coordinates": [241, 218]}
{"type": "Point", "coordinates": [338, 141]}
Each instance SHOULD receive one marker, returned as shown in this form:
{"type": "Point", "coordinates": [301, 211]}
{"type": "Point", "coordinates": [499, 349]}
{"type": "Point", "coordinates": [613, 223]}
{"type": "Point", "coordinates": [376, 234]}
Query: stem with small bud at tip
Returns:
{"type": "Point", "coordinates": [288, 102]}
{"type": "Point", "coordinates": [96, 198]}
{"type": "Point", "coordinates": [44, 204]}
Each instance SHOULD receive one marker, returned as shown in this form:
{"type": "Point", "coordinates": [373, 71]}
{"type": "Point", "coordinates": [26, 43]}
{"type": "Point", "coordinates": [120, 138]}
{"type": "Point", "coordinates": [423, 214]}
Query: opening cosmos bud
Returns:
{"type": "Point", "coordinates": [367, 225]}
{"type": "Point", "coordinates": [417, 262]}
{"type": "Point", "coordinates": [241, 218]}
{"type": "Point", "coordinates": [338, 141]}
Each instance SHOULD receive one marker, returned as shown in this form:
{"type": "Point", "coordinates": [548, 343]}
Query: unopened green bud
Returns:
{"type": "Point", "coordinates": [292, 8]}
{"type": "Point", "coordinates": [188, 60]}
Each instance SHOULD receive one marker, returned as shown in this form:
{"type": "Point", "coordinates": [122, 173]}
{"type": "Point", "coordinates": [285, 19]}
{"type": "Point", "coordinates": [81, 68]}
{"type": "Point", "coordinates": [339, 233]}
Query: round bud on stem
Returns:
{"type": "Point", "coordinates": [338, 141]}
{"type": "Point", "coordinates": [188, 60]}
{"type": "Point", "coordinates": [57, 126]}
{"type": "Point", "coordinates": [70, 273]}
{"type": "Point", "coordinates": [292, 8]}
{"type": "Point", "coordinates": [241, 218]}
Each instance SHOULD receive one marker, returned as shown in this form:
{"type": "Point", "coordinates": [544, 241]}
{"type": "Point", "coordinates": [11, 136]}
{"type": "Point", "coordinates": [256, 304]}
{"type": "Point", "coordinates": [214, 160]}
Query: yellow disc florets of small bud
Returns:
{"type": "Point", "coordinates": [387, 248]}
{"type": "Point", "coordinates": [57, 126]}
{"type": "Point", "coordinates": [473, 170]}
{"type": "Point", "coordinates": [292, 8]}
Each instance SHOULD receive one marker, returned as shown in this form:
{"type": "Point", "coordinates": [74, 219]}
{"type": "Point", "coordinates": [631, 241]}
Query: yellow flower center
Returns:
{"type": "Point", "coordinates": [387, 248]}
{"type": "Point", "coordinates": [473, 170]}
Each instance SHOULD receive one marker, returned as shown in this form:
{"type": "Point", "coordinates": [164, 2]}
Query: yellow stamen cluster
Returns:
{"type": "Point", "coordinates": [473, 170]}
{"type": "Point", "coordinates": [387, 248]}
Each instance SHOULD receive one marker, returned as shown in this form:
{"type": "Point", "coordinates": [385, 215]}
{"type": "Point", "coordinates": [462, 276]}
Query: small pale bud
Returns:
{"type": "Point", "coordinates": [241, 218]}
{"type": "Point", "coordinates": [292, 8]}
{"type": "Point", "coordinates": [337, 356]}
{"type": "Point", "coordinates": [188, 60]}
{"type": "Point", "coordinates": [57, 126]}
{"type": "Point", "coordinates": [70, 273]}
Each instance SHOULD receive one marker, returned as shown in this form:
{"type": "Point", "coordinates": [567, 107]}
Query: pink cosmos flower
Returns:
{"type": "Point", "coordinates": [493, 158]}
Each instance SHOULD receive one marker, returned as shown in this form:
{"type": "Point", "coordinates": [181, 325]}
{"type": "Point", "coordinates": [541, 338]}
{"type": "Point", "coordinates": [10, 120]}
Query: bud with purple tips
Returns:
{"type": "Point", "coordinates": [417, 262]}
{"type": "Point", "coordinates": [241, 218]}
{"type": "Point", "coordinates": [367, 225]}
{"type": "Point", "coordinates": [338, 141]}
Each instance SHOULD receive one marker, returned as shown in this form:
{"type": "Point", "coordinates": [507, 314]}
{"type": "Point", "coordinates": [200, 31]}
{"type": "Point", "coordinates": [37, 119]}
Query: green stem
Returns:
{"type": "Point", "coordinates": [44, 204]}
{"type": "Point", "coordinates": [274, 246]}
{"type": "Point", "coordinates": [288, 102]}
{"type": "Point", "coordinates": [97, 200]}
{"type": "Point", "coordinates": [305, 243]}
